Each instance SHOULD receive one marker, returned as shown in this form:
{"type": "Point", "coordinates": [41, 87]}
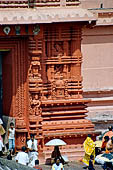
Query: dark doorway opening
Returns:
{"type": "Point", "coordinates": [4, 80]}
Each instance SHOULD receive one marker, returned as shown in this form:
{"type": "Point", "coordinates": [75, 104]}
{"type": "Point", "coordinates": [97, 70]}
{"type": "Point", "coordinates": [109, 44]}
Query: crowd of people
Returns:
{"type": "Point", "coordinates": [29, 153]}
{"type": "Point", "coordinates": [102, 155]}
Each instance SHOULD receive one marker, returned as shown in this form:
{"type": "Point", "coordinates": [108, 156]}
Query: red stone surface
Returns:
{"type": "Point", "coordinates": [46, 97]}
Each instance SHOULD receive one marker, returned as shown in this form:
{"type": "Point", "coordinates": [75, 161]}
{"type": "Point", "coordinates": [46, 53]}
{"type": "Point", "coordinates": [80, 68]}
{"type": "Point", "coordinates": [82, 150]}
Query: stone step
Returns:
{"type": "Point", "coordinates": [72, 156]}
{"type": "Point", "coordinates": [74, 152]}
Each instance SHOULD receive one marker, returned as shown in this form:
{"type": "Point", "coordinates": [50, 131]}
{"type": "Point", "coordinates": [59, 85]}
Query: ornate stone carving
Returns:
{"type": "Point", "coordinates": [35, 104]}
{"type": "Point", "coordinates": [34, 71]}
{"type": "Point", "coordinates": [58, 50]}
{"type": "Point", "coordinates": [48, 84]}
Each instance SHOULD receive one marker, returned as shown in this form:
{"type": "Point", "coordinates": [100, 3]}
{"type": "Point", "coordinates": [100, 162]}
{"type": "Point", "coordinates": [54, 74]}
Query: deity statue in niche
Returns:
{"type": "Point", "coordinates": [34, 71]}
{"type": "Point", "coordinates": [58, 49]}
{"type": "Point", "coordinates": [58, 69]}
{"type": "Point", "coordinates": [59, 85]}
{"type": "Point", "coordinates": [35, 104]}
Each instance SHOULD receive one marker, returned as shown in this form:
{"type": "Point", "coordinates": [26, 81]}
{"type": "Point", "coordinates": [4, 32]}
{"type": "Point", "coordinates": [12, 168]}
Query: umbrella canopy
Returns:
{"type": "Point", "coordinates": [55, 142]}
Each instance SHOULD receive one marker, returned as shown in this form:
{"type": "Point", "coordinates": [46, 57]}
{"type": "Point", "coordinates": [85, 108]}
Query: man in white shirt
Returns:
{"type": "Point", "coordinates": [22, 157]}
{"type": "Point", "coordinates": [32, 145]}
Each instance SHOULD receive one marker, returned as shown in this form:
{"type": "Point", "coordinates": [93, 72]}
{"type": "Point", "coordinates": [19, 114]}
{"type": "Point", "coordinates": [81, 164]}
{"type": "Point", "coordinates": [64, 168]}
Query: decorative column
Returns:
{"type": "Point", "coordinates": [35, 85]}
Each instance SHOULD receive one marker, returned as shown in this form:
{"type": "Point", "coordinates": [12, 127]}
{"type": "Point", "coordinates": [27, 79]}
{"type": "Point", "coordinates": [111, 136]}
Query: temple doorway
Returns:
{"type": "Point", "coordinates": [1, 88]}
{"type": "Point", "coordinates": [14, 85]}
{"type": "Point", "coordinates": [5, 82]}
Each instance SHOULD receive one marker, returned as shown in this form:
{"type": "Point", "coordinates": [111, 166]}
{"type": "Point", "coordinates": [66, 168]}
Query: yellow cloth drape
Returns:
{"type": "Point", "coordinates": [89, 148]}
{"type": "Point", "coordinates": [2, 130]}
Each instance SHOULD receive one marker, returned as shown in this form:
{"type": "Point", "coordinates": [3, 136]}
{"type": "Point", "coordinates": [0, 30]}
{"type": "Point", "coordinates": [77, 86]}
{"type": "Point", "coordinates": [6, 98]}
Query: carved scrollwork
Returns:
{"type": "Point", "coordinates": [53, 92]}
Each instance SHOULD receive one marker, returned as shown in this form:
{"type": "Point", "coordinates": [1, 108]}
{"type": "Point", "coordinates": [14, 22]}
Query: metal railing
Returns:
{"type": "Point", "coordinates": [37, 3]}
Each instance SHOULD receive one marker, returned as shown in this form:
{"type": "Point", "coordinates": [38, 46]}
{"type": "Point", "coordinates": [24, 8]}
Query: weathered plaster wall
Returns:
{"type": "Point", "coordinates": [97, 49]}
{"type": "Point", "coordinates": [96, 3]}
{"type": "Point", "coordinates": [97, 72]}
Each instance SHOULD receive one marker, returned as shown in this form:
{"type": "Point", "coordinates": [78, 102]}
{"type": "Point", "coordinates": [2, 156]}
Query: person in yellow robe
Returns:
{"type": "Point", "coordinates": [89, 148]}
{"type": "Point", "coordinates": [2, 130]}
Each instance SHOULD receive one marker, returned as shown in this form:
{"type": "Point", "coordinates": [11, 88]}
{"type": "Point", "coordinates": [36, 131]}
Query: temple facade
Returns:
{"type": "Point", "coordinates": [40, 71]}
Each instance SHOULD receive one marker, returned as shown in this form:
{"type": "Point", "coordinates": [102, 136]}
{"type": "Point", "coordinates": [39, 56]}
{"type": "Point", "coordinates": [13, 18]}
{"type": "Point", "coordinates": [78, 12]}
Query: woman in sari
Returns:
{"type": "Point", "coordinates": [89, 148]}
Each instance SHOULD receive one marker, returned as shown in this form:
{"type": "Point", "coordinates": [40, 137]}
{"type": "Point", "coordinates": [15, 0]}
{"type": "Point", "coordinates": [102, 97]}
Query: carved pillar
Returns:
{"type": "Point", "coordinates": [35, 86]}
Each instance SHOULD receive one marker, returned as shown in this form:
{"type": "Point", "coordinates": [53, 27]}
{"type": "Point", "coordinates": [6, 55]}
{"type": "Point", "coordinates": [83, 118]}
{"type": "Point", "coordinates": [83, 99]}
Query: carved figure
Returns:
{"type": "Point", "coordinates": [58, 46]}
{"type": "Point", "coordinates": [34, 70]}
{"type": "Point", "coordinates": [35, 104]}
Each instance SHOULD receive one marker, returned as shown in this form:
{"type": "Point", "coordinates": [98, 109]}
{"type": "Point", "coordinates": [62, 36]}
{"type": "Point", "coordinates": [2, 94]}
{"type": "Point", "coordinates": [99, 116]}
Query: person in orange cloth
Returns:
{"type": "Point", "coordinates": [109, 133]}
{"type": "Point", "coordinates": [104, 143]}
{"type": "Point", "coordinates": [109, 145]}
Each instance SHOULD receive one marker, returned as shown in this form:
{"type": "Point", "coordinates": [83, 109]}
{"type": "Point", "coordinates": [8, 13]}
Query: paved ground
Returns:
{"type": "Point", "coordinates": [72, 166]}
{"type": "Point", "coordinates": [12, 165]}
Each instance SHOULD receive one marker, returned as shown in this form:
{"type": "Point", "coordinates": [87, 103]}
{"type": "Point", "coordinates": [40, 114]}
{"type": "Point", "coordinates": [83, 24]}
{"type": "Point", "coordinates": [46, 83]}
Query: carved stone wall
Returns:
{"type": "Point", "coordinates": [56, 105]}
{"type": "Point", "coordinates": [46, 97]}
{"type": "Point", "coordinates": [35, 85]}
{"type": "Point", "coordinates": [63, 62]}
{"type": "Point", "coordinates": [16, 70]}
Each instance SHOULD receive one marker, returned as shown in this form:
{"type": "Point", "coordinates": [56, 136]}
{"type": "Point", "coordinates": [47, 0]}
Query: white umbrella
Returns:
{"type": "Point", "coordinates": [55, 142]}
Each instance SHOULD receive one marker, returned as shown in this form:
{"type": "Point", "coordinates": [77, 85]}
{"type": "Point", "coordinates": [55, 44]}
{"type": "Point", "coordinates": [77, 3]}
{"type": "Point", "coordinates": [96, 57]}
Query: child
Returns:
{"type": "Point", "coordinates": [11, 137]}
{"type": "Point", "coordinates": [37, 165]}
{"type": "Point", "coordinates": [91, 167]}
